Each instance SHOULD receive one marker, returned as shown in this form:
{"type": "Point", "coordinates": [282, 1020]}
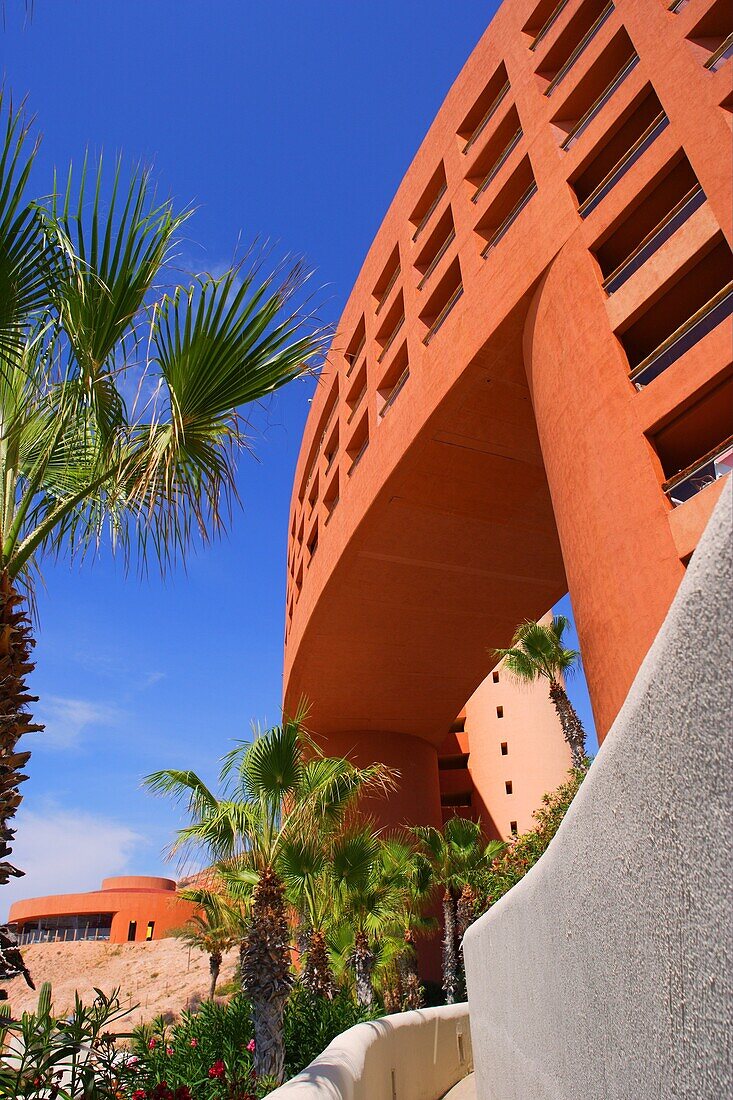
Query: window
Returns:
{"type": "Point", "coordinates": [453, 763]}
{"type": "Point", "coordinates": [513, 828]}
{"type": "Point", "coordinates": [495, 677]}
{"type": "Point", "coordinates": [499, 712]}
{"type": "Point", "coordinates": [508, 787]}
{"type": "Point", "coordinates": [504, 748]}
{"type": "Point", "coordinates": [150, 930]}
{"type": "Point", "coordinates": [131, 931]}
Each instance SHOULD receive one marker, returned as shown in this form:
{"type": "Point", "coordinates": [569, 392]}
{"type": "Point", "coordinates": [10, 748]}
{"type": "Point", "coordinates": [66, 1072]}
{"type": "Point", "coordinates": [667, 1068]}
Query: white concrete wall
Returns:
{"type": "Point", "coordinates": [608, 971]}
{"type": "Point", "coordinates": [408, 1056]}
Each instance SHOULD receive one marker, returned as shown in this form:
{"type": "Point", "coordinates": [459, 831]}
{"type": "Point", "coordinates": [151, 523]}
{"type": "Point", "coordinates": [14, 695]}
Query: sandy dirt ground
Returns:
{"type": "Point", "coordinates": [160, 976]}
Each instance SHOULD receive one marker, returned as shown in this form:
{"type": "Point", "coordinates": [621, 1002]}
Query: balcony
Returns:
{"type": "Point", "coordinates": [712, 466]}
{"type": "Point", "coordinates": [620, 151]}
{"type": "Point", "coordinates": [429, 201]}
{"type": "Point", "coordinates": [540, 32]}
{"type": "Point", "coordinates": [679, 314]}
{"type": "Point", "coordinates": [436, 247]}
{"type": "Point", "coordinates": [558, 58]}
{"type": "Point", "coordinates": [683, 338]}
{"type": "Point", "coordinates": [670, 200]}
{"type": "Point", "coordinates": [495, 156]}
{"type": "Point", "coordinates": [484, 109]}
{"type": "Point", "coordinates": [441, 303]}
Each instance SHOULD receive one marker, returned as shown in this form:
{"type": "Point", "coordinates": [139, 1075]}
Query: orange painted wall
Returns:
{"type": "Point", "coordinates": [537, 758]}
{"type": "Point", "coordinates": [129, 898]}
{"type": "Point", "coordinates": [454, 481]}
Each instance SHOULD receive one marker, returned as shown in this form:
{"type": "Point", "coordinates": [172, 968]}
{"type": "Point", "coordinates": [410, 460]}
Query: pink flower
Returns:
{"type": "Point", "coordinates": [194, 1042]}
{"type": "Point", "coordinates": [133, 1061]}
{"type": "Point", "coordinates": [251, 1046]}
{"type": "Point", "coordinates": [139, 1094]}
{"type": "Point", "coordinates": [218, 1069]}
{"type": "Point", "coordinates": [152, 1044]}
{"type": "Point", "coordinates": [169, 1050]}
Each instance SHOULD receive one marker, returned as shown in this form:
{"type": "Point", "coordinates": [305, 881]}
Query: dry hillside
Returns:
{"type": "Point", "coordinates": [160, 976]}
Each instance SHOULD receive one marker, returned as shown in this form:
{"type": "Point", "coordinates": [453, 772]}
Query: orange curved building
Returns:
{"type": "Point", "coordinates": [531, 387]}
{"type": "Point", "coordinates": [125, 909]}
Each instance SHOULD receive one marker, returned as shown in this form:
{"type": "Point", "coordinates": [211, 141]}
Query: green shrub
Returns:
{"type": "Point", "coordinates": [312, 1021]}
{"type": "Point", "coordinates": [518, 857]}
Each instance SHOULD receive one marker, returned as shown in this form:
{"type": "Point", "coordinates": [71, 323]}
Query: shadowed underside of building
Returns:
{"type": "Point", "coordinates": [531, 387]}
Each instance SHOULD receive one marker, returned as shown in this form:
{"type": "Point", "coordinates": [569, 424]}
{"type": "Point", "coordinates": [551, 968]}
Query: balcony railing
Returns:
{"type": "Point", "coordinates": [391, 339]}
{"type": "Point", "coordinates": [622, 166]}
{"type": "Point", "coordinates": [496, 166]}
{"type": "Point", "coordinates": [585, 119]}
{"type": "Point", "coordinates": [579, 49]}
{"type": "Point", "coordinates": [394, 392]}
{"type": "Point", "coordinates": [487, 117]}
{"type": "Point", "coordinates": [386, 292]}
{"type": "Point", "coordinates": [721, 55]}
{"type": "Point", "coordinates": [548, 24]}
{"type": "Point", "coordinates": [510, 219]}
{"type": "Point", "coordinates": [353, 357]}
{"type": "Point", "coordinates": [711, 467]}
{"type": "Point", "coordinates": [654, 240]}
{"type": "Point", "coordinates": [683, 338]}
{"type": "Point", "coordinates": [429, 212]}
{"type": "Point", "coordinates": [441, 318]}
{"type": "Point", "coordinates": [358, 456]}
{"type": "Point", "coordinates": [437, 258]}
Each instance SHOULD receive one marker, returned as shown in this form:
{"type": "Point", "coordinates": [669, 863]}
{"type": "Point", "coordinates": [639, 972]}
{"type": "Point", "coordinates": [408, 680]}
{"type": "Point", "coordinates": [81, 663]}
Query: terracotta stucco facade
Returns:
{"type": "Point", "coordinates": [530, 390]}
{"type": "Point", "coordinates": [136, 908]}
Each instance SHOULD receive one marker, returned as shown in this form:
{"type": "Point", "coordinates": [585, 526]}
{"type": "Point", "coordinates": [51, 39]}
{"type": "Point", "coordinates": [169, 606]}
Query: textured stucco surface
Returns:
{"type": "Point", "coordinates": [608, 972]}
{"type": "Point", "coordinates": [408, 1056]}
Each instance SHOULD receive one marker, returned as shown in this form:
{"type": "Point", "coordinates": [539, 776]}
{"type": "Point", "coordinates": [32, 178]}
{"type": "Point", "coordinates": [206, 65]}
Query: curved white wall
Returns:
{"type": "Point", "coordinates": [607, 973]}
{"type": "Point", "coordinates": [408, 1056]}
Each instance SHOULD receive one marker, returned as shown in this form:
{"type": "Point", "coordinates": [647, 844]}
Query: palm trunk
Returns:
{"type": "Point", "coordinates": [412, 990]}
{"type": "Point", "coordinates": [363, 965]}
{"type": "Point", "coordinates": [465, 916]}
{"type": "Point", "coordinates": [16, 645]}
{"type": "Point", "coordinates": [317, 977]}
{"type": "Point", "coordinates": [572, 727]}
{"type": "Point", "coordinates": [450, 955]}
{"type": "Point", "coordinates": [266, 977]}
{"type": "Point", "coordinates": [214, 968]}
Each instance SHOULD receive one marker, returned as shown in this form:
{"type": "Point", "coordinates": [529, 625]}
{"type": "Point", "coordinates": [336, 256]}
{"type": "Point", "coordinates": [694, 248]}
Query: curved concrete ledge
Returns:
{"type": "Point", "coordinates": [608, 971]}
{"type": "Point", "coordinates": [408, 1056]}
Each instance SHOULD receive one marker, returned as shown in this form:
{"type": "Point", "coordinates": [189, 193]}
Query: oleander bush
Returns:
{"type": "Point", "coordinates": [491, 882]}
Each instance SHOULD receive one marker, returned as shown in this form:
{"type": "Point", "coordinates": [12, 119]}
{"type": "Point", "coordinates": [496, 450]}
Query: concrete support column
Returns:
{"type": "Point", "coordinates": [622, 566]}
{"type": "Point", "coordinates": [417, 799]}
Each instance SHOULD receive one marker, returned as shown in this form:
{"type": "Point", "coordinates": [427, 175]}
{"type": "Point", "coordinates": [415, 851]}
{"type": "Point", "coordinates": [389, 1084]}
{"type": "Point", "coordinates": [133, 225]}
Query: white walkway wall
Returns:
{"type": "Point", "coordinates": [608, 971]}
{"type": "Point", "coordinates": [408, 1056]}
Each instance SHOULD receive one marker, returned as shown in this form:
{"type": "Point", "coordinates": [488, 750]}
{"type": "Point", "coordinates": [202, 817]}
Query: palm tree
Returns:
{"type": "Point", "coordinates": [208, 931]}
{"type": "Point", "coordinates": [277, 787]}
{"type": "Point", "coordinates": [537, 652]}
{"type": "Point", "coordinates": [411, 872]}
{"type": "Point", "coordinates": [365, 904]}
{"type": "Point", "coordinates": [121, 403]}
{"type": "Point", "coordinates": [307, 870]}
{"type": "Point", "coordinates": [456, 854]}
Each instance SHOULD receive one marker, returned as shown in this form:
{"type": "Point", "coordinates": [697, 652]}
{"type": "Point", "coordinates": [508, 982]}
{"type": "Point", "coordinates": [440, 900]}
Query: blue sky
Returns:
{"type": "Point", "coordinates": [285, 120]}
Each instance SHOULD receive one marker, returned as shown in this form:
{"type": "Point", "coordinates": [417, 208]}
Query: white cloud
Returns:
{"type": "Point", "coordinates": [65, 852]}
{"type": "Point", "coordinates": [66, 720]}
